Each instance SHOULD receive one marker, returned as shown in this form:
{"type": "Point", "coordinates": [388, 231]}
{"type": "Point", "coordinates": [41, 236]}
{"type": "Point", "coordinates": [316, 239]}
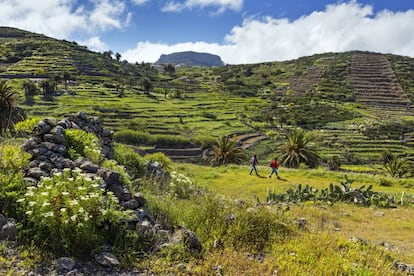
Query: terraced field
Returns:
{"type": "Point", "coordinates": [375, 83]}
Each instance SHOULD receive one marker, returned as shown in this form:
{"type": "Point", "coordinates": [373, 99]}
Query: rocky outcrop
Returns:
{"type": "Point", "coordinates": [190, 58]}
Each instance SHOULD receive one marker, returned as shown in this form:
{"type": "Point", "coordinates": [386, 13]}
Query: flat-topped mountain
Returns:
{"type": "Point", "coordinates": [190, 58]}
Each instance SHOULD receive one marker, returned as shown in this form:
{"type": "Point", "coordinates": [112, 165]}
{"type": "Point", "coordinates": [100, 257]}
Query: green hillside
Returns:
{"type": "Point", "coordinates": [98, 199]}
{"type": "Point", "coordinates": [330, 94]}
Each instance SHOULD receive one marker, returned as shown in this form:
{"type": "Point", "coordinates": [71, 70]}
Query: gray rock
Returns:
{"type": "Point", "coordinates": [64, 264]}
{"type": "Point", "coordinates": [106, 259]}
{"type": "Point", "coordinates": [31, 143]}
{"type": "Point", "coordinates": [218, 244]}
{"type": "Point", "coordinates": [46, 166]}
{"type": "Point", "coordinates": [36, 173]}
{"type": "Point", "coordinates": [3, 220]}
{"type": "Point", "coordinates": [187, 238]}
{"type": "Point", "coordinates": [301, 222]}
{"type": "Point", "coordinates": [139, 197]}
{"type": "Point", "coordinates": [89, 167]}
{"type": "Point", "coordinates": [30, 181]}
{"type": "Point", "coordinates": [130, 204]}
{"type": "Point", "coordinates": [34, 163]}
{"type": "Point", "coordinates": [64, 123]}
{"type": "Point", "coordinates": [9, 231]}
{"type": "Point", "coordinates": [41, 128]}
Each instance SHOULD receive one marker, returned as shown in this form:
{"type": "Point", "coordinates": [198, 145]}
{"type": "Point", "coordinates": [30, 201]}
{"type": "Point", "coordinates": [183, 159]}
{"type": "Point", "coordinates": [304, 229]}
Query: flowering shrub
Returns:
{"type": "Point", "coordinates": [180, 186]}
{"type": "Point", "coordinates": [68, 212]}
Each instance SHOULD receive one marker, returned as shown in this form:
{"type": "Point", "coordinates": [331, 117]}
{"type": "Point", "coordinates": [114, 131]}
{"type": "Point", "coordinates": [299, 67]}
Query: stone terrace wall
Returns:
{"type": "Point", "coordinates": [48, 145]}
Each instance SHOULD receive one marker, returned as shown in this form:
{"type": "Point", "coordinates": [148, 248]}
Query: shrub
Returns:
{"type": "Point", "coordinates": [25, 128]}
{"type": "Point", "coordinates": [170, 141]}
{"type": "Point", "coordinates": [12, 161]}
{"type": "Point", "coordinates": [385, 182]}
{"type": "Point", "coordinates": [204, 140]}
{"type": "Point", "coordinates": [67, 212]}
{"type": "Point", "coordinates": [159, 157]}
{"type": "Point", "coordinates": [132, 137]}
{"type": "Point", "coordinates": [209, 115]}
{"type": "Point", "coordinates": [83, 144]}
{"type": "Point", "coordinates": [132, 161]}
{"type": "Point", "coordinates": [334, 163]}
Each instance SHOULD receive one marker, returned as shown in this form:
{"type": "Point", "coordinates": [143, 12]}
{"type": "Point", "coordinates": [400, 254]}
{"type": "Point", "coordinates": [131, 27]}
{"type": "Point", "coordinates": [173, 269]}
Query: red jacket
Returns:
{"type": "Point", "coordinates": [274, 164]}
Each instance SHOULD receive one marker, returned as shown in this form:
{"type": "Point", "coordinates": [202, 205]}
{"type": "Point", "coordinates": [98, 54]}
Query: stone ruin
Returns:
{"type": "Point", "coordinates": [50, 155]}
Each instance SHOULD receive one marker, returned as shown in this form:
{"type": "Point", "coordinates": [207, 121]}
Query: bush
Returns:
{"type": "Point", "coordinates": [67, 212]}
{"type": "Point", "coordinates": [25, 128]}
{"type": "Point", "coordinates": [334, 163]}
{"type": "Point", "coordinates": [12, 161]}
{"type": "Point", "coordinates": [170, 141]}
{"type": "Point", "coordinates": [159, 157]}
{"type": "Point", "coordinates": [132, 137]}
{"type": "Point", "coordinates": [132, 161]}
{"type": "Point", "coordinates": [83, 144]}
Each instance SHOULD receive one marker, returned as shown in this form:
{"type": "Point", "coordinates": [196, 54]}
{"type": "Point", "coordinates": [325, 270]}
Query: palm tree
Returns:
{"type": "Point", "coordinates": [299, 148]}
{"type": "Point", "coordinates": [226, 152]}
{"type": "Point", "coordinates": [10, 114]}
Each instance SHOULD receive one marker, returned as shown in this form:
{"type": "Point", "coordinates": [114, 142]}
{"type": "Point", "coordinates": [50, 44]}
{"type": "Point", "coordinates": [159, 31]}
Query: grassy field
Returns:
{"type": "Point", "coordinates": [375, 225]}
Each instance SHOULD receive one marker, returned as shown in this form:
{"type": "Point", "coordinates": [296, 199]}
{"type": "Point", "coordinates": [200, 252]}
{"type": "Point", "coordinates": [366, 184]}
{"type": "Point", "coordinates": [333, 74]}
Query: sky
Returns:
{"type": "Point", "coordinates": [239, 31]}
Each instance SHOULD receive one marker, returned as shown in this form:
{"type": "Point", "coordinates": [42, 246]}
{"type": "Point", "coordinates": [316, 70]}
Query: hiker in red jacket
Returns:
{"type": "Point", "coordinates": [275, 166]}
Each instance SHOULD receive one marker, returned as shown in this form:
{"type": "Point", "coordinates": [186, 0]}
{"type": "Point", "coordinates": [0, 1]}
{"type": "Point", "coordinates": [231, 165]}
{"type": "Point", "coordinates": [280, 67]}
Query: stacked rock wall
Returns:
{"type": "Point", "coordinates": [50, 155]}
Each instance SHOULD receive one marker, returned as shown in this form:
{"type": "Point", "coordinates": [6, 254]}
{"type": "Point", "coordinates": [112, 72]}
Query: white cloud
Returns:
{"type": "Point", "coordinates": [63, 18]}
{"type": "Point", "coordinates": [221, 5]}
{"type": "Point", "coordinates": [95, 44]}
{"type": "Point", "coordinates": [340, 27]}
{"type": "Point", "coordinates": [139, 2]}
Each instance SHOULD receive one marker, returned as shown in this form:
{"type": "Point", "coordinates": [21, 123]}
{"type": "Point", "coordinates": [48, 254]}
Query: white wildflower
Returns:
{"type": "Point", "coordinates": [48, 214]}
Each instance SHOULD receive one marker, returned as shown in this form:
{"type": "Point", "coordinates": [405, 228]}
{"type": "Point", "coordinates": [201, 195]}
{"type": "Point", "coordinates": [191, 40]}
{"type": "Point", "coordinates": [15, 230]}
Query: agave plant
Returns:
{"type": "Point", "coordinates": [10, 114]}
{"type": "Point", "coordinates": [226, 152]}
{"type": "Point", "coordinates": [299, 148]}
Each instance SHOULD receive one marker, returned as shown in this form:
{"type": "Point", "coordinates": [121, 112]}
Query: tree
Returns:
{"type": "Point", "coordinates": [57, 79]}
{"type": "Point", "coordinates": [118, 56]}
{"type": "Point", "coordinates": [48, 87]}
{"type": "Point", "coordinates": [108, 54]}
{"type": "Point", "coordinates": [146, 84]}
{"type": "Point", "coordinates": [66, 77]}
{"type": "Point", "coordinates": [226, 152]}
{"type": "Point", "coordinates": [10, 114]}
{"type": "Point", "coordinates": [299, 148]}
{"type": "Point", "coordinates": [30, 88]}
{"type": "Point", "coordinates": [169, 69]}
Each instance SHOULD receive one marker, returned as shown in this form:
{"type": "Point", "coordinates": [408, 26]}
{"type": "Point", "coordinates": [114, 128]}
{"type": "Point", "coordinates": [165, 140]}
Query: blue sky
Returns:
{"type": "Point", "coordinates": [240, 31]}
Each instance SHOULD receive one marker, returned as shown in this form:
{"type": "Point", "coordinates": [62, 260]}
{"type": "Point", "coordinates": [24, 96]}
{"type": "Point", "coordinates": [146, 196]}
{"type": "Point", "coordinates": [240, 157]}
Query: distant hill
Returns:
{"type": "Point", "coordinates": [25, 54]}
{"type": "Point", "coordinates": [190, 58]}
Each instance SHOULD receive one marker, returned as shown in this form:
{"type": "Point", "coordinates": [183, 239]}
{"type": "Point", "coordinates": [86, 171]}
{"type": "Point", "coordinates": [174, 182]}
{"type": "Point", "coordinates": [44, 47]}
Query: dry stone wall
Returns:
{"type": "Point", "coordinates": [50, 155]}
